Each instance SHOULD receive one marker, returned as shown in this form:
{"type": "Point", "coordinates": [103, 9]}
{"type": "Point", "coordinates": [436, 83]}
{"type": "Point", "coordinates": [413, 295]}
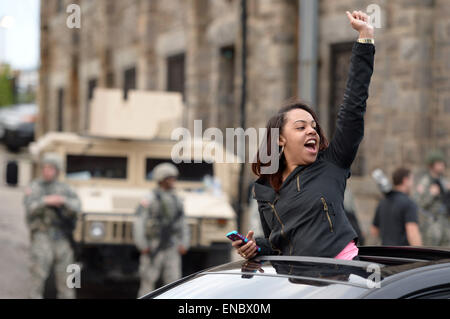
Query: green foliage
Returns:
{"type": "Point", "coordinates": [6, 88]}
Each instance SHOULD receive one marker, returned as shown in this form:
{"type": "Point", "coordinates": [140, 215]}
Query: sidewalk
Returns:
{"type": "Point", "coordinates": [14, 242]}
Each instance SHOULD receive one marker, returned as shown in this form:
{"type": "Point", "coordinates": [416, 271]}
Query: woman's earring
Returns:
{"type": "Point", "coordinates": [282, 150]}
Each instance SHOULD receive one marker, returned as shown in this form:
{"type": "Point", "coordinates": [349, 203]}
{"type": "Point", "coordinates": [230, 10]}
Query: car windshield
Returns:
{"type": "Point", "coordinates": [83, 167]}
{"type": "Point", "coordinates": [189, 172]}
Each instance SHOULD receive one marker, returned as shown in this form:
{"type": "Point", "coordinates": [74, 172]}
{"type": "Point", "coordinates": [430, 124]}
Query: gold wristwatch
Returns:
{"type": "Point", "coordinates": [366, 40]}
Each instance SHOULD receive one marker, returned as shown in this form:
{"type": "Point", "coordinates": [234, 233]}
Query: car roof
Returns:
{"type": "Point", "coordinates": [388, 259]}
{"type": "Point", "coordinates": [312, 277]}
{"type": "Point", "coordinates": [307, 270]}
{"type": "Point", "coordinates": [402, 254]}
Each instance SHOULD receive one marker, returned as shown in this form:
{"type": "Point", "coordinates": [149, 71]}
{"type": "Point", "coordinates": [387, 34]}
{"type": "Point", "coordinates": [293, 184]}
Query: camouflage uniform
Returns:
{"type": "Point", "coordinates": [433, 218]}
{"type": "Point", "coordinates": [50, 245]}
{"type": "Point", "coordinates": [155, 230]}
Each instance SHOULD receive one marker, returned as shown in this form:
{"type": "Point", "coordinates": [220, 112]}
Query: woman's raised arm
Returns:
{"type": "Point", "coordinates": [350, 120]}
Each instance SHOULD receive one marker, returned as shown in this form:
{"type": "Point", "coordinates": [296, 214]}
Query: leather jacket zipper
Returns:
{"type": "Point", "coordinates": [282, 228]}
{"type": "Point", "coordinates": [325, 208]}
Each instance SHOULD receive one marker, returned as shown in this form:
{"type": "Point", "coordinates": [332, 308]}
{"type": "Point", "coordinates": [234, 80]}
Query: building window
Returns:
{"type": "Point", "coordinates": [175, 73]}
{"type": "Point", "coordinates": [110, 7]}
{"type": "Point", "coordinates": [60, 124]}
{"type": "Point", "coordinates": [108, 63]}
{"type": "Point", "coordinates": [59, 6]}
{"type": "Point", "coordinates": [92, 84]}
{"type": "Point", "coordinates": [110, 80]}
{"type": "Point", "coordinates": [226, 100]}
{"type": "Point", "coordinates": [129, 81]}
{"type": "Point", "coordinates": [340, 62]}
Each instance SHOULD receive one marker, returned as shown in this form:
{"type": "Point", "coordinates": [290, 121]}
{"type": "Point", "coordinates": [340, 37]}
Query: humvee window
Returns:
{"type": "Point", "coordinates": [87, 167]}
{"type": "Point", "coordinates": [190, 172]}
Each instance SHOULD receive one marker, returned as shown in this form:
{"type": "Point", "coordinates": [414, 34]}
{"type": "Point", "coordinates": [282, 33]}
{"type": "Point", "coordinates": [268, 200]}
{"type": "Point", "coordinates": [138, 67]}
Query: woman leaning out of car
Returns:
{"type": "Point", "coordinates": [301, 204]}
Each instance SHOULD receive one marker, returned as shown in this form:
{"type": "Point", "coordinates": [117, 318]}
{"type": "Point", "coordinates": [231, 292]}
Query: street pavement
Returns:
{"type": "Point", "coordinates": [14, 243]}
{"type": "Point", "coordinates": [14, 236]}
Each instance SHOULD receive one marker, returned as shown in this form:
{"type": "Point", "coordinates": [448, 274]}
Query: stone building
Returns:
{"type": "Point", "coordinates": [195, 46]}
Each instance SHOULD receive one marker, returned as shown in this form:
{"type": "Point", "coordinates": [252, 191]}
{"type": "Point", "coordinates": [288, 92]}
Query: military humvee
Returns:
{"type": "Point", "coordinates": [112, 175]}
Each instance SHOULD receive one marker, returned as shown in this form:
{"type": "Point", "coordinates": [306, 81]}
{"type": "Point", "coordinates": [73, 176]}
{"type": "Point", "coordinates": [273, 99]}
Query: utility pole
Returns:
{"type": "Point", "coordinates": [308, 51]}
{"type": "Point", "coordinates": [243, 103]}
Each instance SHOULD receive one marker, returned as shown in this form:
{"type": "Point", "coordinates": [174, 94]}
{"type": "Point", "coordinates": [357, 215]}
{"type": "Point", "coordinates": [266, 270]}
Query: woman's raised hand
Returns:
{"type": "Point", "coordinates": [361, 23]}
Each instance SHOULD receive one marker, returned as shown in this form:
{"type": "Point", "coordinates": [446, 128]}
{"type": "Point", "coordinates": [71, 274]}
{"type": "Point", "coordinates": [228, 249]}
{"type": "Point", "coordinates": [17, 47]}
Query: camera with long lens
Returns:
{"type": "Point", "coordinates": [382, 181]}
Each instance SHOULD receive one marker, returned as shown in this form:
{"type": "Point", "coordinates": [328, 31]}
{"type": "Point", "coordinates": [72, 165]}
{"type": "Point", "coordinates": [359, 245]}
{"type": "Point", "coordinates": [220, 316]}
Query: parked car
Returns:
{"type": "Point", "coordinates": [5, 114]}
{"type": "Point", "coordinates": [381, 272]}
{"type": "Point", "coordinates": [17, 125]}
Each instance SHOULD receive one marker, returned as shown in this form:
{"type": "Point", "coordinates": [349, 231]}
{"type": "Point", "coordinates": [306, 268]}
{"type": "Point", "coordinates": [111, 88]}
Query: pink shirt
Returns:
{"type": "Point", "coordinates": [349, 252]}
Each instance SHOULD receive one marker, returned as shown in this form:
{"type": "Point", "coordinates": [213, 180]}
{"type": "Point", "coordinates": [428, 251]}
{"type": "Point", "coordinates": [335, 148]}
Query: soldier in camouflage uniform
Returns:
{"type": "Point", "coordinates": [51, 211]}
{"type": "Point", "coordinates": [430, 196]}
{"type": "Point", "coordinates": [160, 231]}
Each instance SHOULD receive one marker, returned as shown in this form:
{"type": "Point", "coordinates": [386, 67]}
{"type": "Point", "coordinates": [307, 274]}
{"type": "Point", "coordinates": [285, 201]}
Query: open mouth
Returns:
{"type": "Point", "coordinates": [311, 145]}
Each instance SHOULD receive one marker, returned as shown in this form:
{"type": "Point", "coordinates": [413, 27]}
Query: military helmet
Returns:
{"type": "Point", "coordinates": [53, 159]}
{"type": "Point", "coordinates": [435, 156]}
{"type": "Point", "coordinates": [163, 171]}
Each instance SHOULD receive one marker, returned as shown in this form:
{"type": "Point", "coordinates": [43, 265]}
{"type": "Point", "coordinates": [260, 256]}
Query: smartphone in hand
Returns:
{"type": "Point", "coordinates": [234, 235]}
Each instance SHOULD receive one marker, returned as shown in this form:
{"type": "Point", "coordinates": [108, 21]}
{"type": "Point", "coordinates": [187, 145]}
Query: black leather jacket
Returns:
{"type": "Point", "coordinates": [306, 217]}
